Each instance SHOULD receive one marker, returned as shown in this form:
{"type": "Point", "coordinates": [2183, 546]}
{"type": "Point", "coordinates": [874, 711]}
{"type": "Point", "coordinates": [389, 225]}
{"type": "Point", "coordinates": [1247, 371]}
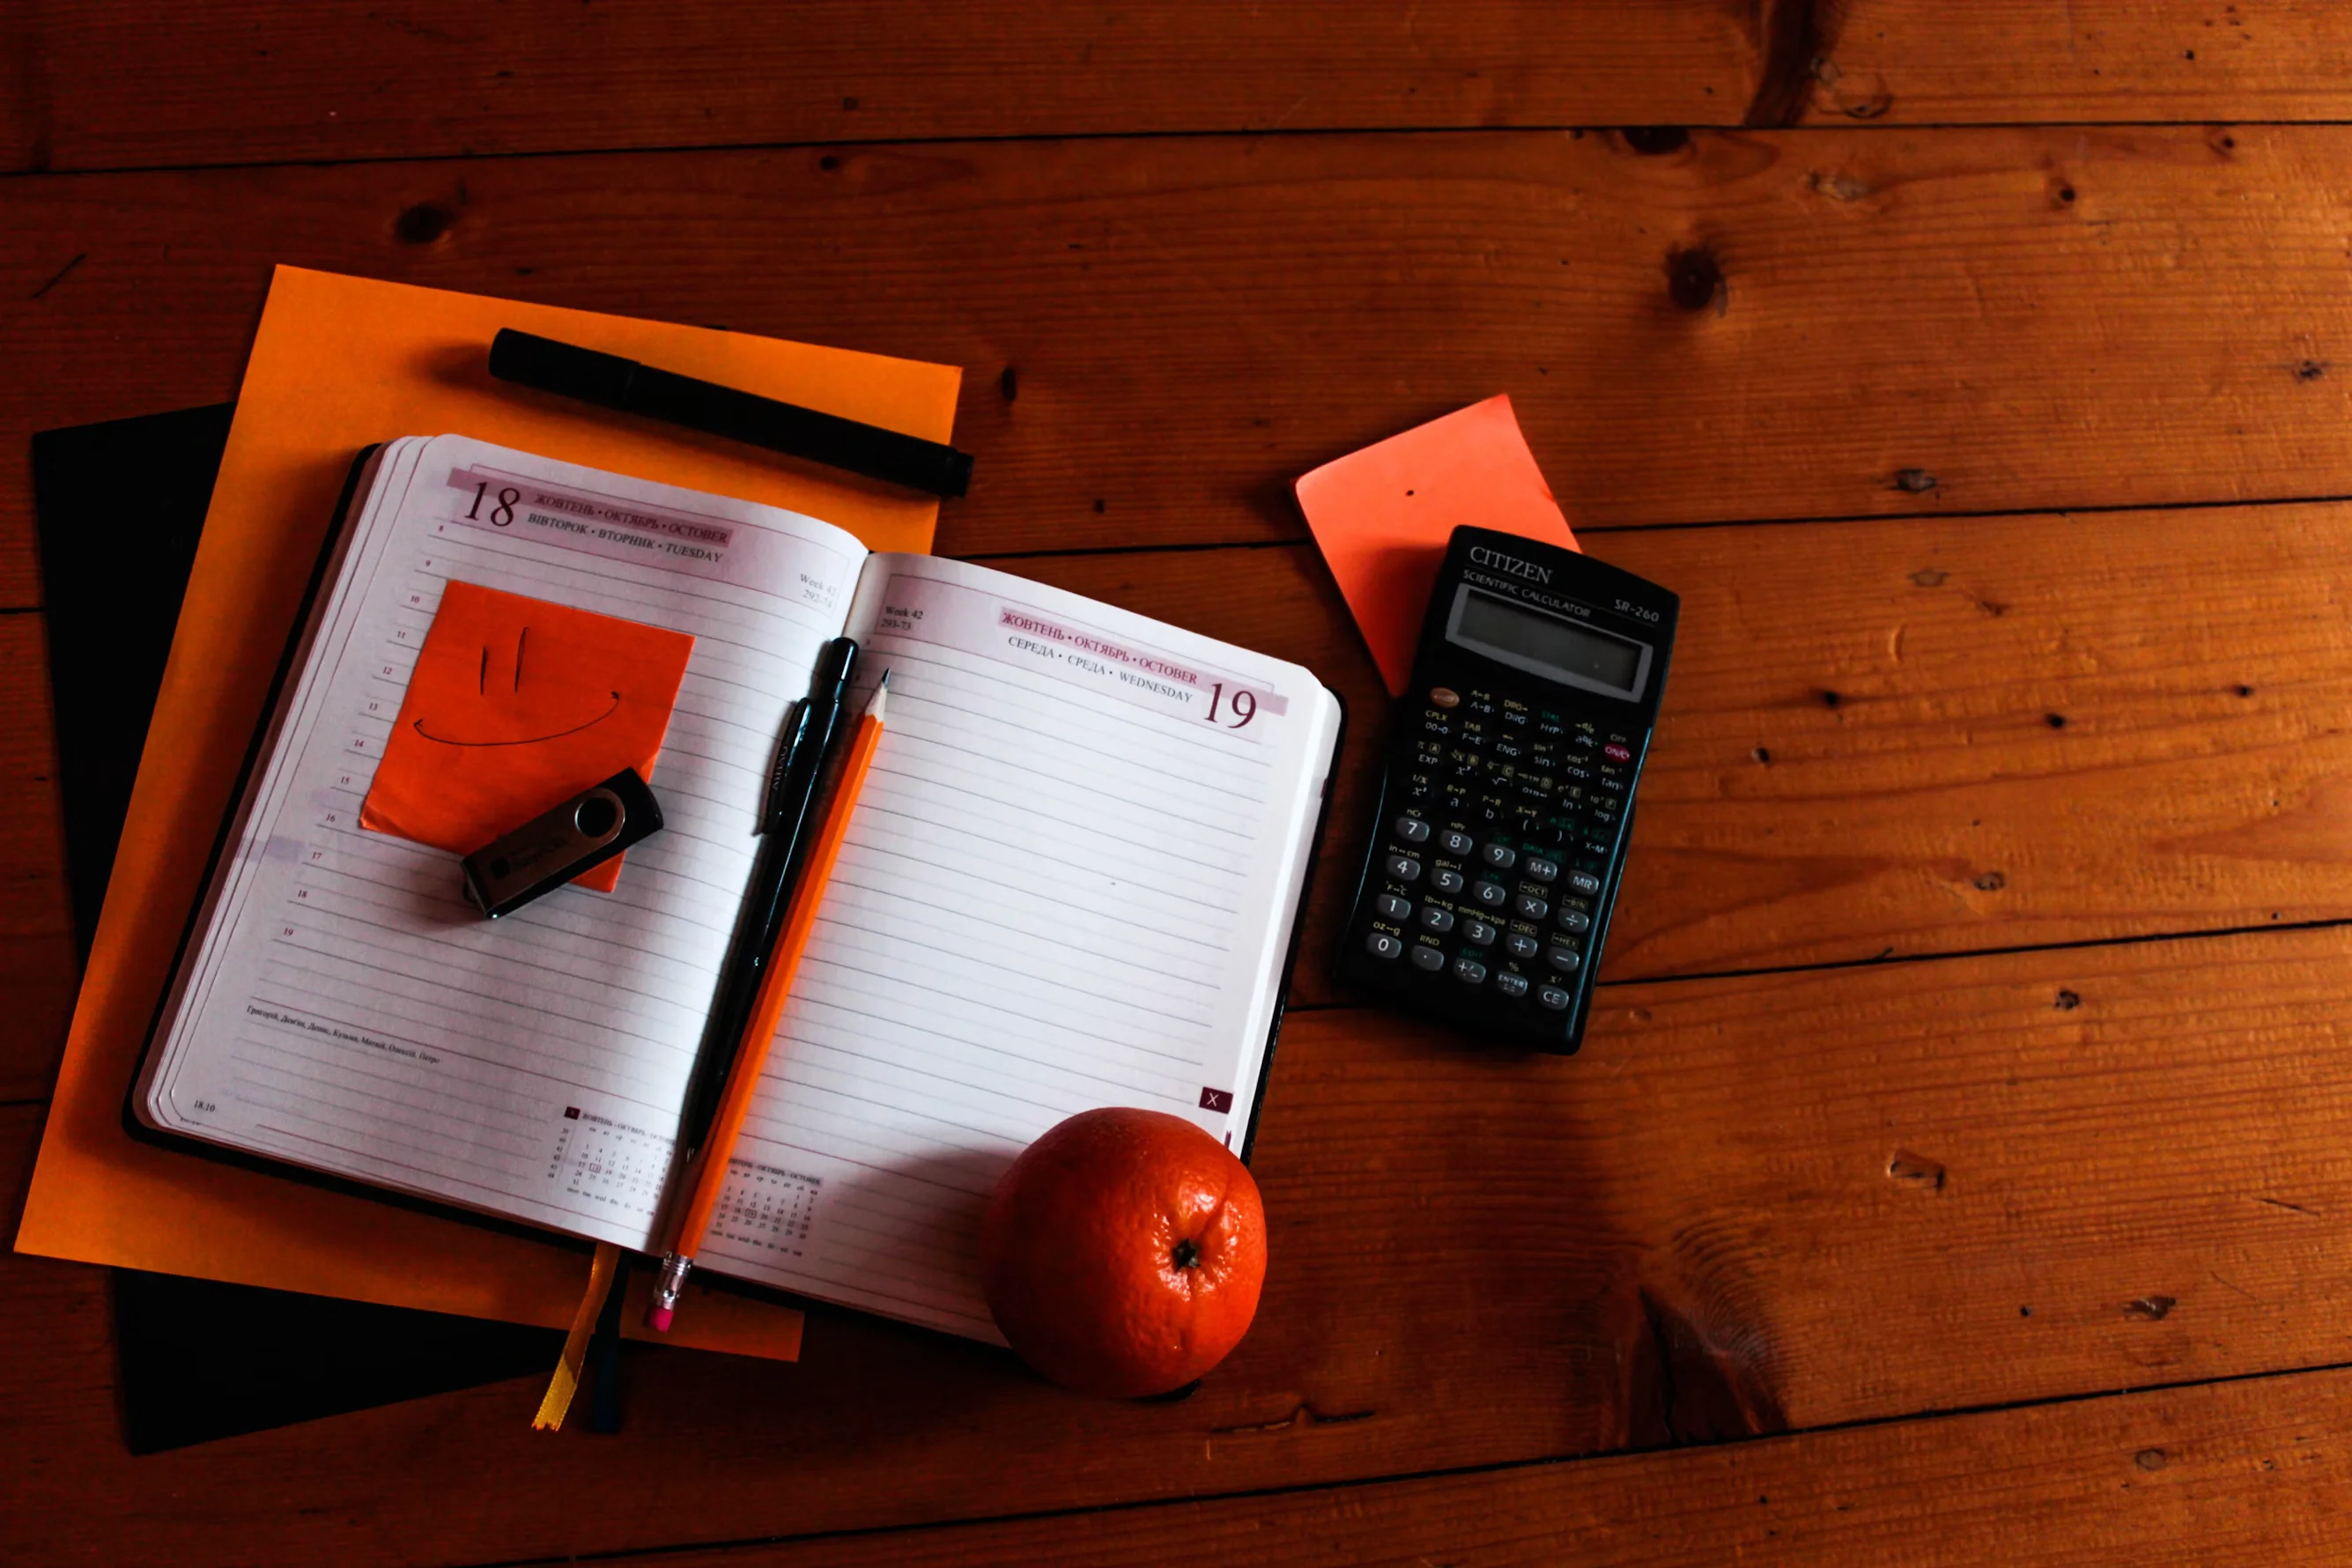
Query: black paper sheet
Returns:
{"type": "Point", "coordinates": [121, 505]}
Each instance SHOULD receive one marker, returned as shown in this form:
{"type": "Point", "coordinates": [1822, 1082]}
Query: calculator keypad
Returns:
{"type": "Point", "coordinates": [1505, 820]}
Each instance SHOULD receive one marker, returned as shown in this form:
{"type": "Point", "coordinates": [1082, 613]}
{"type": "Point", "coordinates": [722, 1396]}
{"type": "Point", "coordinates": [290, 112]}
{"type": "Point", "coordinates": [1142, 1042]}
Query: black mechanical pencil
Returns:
{"type": "Point", "coordinates": [801, 759]}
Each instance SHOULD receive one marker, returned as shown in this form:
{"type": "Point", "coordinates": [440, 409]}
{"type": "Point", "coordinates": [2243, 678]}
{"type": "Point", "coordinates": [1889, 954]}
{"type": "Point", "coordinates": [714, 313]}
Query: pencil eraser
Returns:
{"type": "Point", "coordinates": [658, 1319]}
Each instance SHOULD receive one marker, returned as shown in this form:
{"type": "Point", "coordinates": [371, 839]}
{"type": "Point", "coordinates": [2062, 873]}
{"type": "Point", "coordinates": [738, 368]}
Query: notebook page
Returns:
{"type": "Point", "coordinates": [347, 1010]}
{"type": "Point", "coordinates": [1069, 884]}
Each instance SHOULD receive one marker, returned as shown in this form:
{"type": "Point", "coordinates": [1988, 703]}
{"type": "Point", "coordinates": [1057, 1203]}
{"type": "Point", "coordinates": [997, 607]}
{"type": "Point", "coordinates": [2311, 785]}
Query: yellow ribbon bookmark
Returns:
{"type": "Point", "coordinates": [566, 1381]}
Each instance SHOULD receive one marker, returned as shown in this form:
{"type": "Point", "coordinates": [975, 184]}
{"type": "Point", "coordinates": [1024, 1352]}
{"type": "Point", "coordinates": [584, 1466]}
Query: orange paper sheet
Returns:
{"type": "Point", "coordinates": [517, 704]}
{"type": "Point", "coordinates": [339, 362]}
{"type": "Point", "coordinates": [1382, 517]}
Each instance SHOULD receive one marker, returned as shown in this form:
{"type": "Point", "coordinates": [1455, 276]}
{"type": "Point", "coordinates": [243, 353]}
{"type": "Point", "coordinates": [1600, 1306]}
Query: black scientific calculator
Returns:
{"type": "Point", "coordinates": [1510, 793]}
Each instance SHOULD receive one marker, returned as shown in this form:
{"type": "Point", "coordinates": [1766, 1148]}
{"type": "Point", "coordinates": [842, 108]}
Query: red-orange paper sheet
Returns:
{"type": "Point", "coordinates": [1382, 517]}
{"type": "Point", "coordinates": [515, 706]}
{"type": "Point", "coordinates": [339, 362]}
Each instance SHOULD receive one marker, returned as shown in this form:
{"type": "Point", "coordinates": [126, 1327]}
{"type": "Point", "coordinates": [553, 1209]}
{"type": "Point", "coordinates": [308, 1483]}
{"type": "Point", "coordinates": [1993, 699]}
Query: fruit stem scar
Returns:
{"type": "Point", "coordinates": [1186, 1254]}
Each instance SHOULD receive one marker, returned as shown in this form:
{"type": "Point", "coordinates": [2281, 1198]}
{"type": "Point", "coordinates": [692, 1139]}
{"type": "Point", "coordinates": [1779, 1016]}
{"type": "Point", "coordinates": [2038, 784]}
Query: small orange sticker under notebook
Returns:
{"type": "Point", "coordinates": [516, 704]}
{"type": "Point", "coordinates": [1382, 517]}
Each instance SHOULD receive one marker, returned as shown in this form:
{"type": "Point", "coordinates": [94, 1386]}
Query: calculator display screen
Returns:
{"type": "Point", "coordinates": [1550, 645]}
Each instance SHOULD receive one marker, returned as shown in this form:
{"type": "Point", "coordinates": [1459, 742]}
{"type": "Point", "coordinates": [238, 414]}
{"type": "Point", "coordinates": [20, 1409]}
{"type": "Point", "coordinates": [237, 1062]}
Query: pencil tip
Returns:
{"type": "Point", "coordinates": [881, 698]}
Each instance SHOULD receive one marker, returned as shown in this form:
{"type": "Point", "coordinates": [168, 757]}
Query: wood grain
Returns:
{"type": "Point", "coordinates": [246, 82]}
{"type": "Point", "coordinates": [1753, 325]}
{"type": "Point", "coordinates": [37, 967]}
{"type": "Point", "coordinates": [1903, 737]}
{"type": "Point", "coordinates": [2252, 1474]}
{"type": "Point", "coordinates": [2197, 777]}
{"type": "Point", "coordinates": [1757, 1202]}
{"type": "Point", "coordinates": [1783, 1199]}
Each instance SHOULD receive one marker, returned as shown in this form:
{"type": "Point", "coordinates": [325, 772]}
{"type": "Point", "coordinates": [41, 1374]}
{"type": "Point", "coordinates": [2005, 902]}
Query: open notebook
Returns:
{"type": "Point", "coordinates": [1072, 881]}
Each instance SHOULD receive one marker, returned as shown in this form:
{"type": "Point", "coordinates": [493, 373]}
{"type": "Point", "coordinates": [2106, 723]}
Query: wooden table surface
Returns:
{"type": "Point", "coordinates": [1956, 1170]}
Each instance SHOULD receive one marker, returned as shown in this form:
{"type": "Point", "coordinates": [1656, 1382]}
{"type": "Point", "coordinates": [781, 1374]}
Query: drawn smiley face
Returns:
{"type": "Point", "coordinates": [510, 663]}
{"type": "Point", "coordinates": [517, 703]}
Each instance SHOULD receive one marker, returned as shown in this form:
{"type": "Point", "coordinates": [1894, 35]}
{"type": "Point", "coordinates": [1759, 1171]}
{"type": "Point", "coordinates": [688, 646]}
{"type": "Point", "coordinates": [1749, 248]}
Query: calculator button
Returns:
{"type": "Point", "coordinates": [1444, 697]}
{"type": "Point", "coordinates": [1458, 843]}
{"type": "Point", "coordinates": [1522, 946]}
{"type": "Point", "coordinates": [1404, 867]}
{"type": "Point", "coordinates": [1446, 881]}
{"type": "Point", "coordinates": [1428, 958]}
{"type": "Point", "coordinates": [1511, 984]}
{"type": "Point", "coordinates": [1542, 870]}
{"type": "Point", "coordinates": [1437, 919]}
{"type": "Point", "coordinates": [1567, 960]}
{"type": "Point", "coordinates": [1380, 944]}
{"type": "Point", "coordinates": [1412, 829]}
{"type": "Point", "coordinates": [1553, 997]}
{"type": "Point", "coordinates": [1492, 894]}
{"type": "Point", "coordinates": [1574, 920]}
{"type": "Point", "coordinates": [1529, 907]}
{"type": "Point", "coordinates": [1469, 971]}
{"type": "Point", "coordinates": [1478, 933]}
{"type": "Point", "coordinates": [1501, 857]}
{"type": "Point", "coordinates": [1584, 881]}
{"type": "Point", "coordinates": [1616, 753]}
{"type": "Point", "coordinates": [1395, 908]}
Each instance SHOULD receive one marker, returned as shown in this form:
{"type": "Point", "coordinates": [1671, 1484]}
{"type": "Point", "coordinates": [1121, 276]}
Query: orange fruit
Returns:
{"type": "Point", "coordinates": [1123, 1252]}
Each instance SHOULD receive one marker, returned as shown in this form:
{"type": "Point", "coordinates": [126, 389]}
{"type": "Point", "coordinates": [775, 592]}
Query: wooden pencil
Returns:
{"type": "Point", "coordinates": [709, 1177]}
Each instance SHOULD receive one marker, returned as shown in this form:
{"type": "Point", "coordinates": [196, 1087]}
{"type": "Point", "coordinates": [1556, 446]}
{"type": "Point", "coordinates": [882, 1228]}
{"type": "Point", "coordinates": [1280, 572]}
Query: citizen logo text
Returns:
{"type": "Point", "coordinates": [1499, 561]}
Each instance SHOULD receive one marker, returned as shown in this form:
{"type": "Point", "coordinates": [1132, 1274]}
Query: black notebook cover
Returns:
{"type": "Point", "coordinates": [120, 507]}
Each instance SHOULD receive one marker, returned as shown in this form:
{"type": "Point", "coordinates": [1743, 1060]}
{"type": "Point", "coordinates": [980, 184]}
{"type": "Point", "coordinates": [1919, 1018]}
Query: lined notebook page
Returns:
{"type": "Point", "coordinates": [347, 1010]}
{"type": "Point", "coordinates": [1069, 884]}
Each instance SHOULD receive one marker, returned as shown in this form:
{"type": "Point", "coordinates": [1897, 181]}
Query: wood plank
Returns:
{"type": "Point", "coordinates": [1904, 321]}
{"type": "Point", "coordinates": [1814, 1198]}
{"type": "Point", "coordinates": [246, 82]}
{"type": "Point", "coordinates": [2251, 1473]}
{"type": "Point", "coordinates": [1932, 806]}
{"type": "Point", "coordinates": [1863, 763]}
{"type": "Point", "coordinates": [1929, 736]}
{"type": "Point", "coordinates": [2199, 779]}
{"type": "Point", "coordinates": [2082, 60]}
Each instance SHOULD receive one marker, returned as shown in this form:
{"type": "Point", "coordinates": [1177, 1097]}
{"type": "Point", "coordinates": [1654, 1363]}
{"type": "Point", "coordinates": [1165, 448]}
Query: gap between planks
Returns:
{"type": "Point", "coordinates": [862, 143]}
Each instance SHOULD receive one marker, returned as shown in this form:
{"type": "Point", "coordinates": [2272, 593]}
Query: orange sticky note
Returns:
{"type": "Point", "coordinates": [517, 704]}
{"type": "Point", "coordinates": [1382, 517]}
